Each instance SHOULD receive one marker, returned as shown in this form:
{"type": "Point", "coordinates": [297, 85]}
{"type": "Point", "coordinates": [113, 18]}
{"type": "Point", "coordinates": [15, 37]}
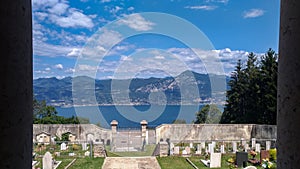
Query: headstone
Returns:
{"type": "Point", "coordinates": [71, 154]}
{"type": "Point", "coordinates": [191, 145]}
{"type": "Point", "coordinates": [203, 144]}
{"type": "Point", "coordinates": [99, 150]}
{"type": "Point", "coordinates": [257, 147]}
{"type": "Point", "coordinates": [163, 149]}
{"type": "Point", "coordinates": [213, 144]}
{"type": "Point", "coordinates": [234, 147]}
{"type": "Point", "coordinates": [215, 160]}
{"type": "Point", "coordinates": [57, 154]}
{"type": "Point", "coordinates": [253, 142]}
{"type": "Point", "coordinates": [87, 153]}
{"type": "Point", "coordinates": [176, 150]}
{"type": "Point", "coordinates": [210, 148]}
{"type": "Point", "coordinates": [172, 146]}
{"type": "Point", "coordinates": [199, 147]}
{"type": "Point", "coordinates": [47, 161]}
{"type": "Point", "coordinates": [184, 152]}
{"type": "Point", "coordinates": [264, 154]}
{"type": "Point", "coordinates": [246, 147]}
{"type": "Point", "coordinates": [241, 159]}
{"type": "Point", "coordinates": [63, 146]}
{"type": "Point", "coordinates": [188, 150]}
{"type": "Point", "coordinates": [84, 146]}
{"type": "Point", "coordinates": [243, 141]}
{"type": "Point", "coordinates": [222, 149]}
{"type": "Point", "coordinates": [268, 145]}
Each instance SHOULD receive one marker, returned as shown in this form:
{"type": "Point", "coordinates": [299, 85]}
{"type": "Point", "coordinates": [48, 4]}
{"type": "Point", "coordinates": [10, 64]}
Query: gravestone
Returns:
{"type": "Point", "coordinates": [163, 149]}
{"type": "Point", "coordinates": [268, 145]}
{"type": "Point", "coordinates": [246, 147]}
{"type": "Point", "coordinates": [172, 146]}
{"type": "Point", "coordinates": [188, 150]}
{"type": "Point", "coordinates": [176, 150]}
{"type": "Point", "coordinates": [253, 142]}
{"type": "Point", "coordinates": [84, 146]}
{"type": "Point", "coordinates": [234, 147]}
{"type": "Point", "coordinates": [191, 145]}
{"type": "Point", "coordinates": [99, 150]}
{"type": "Point", "coordinates": [63, 146]}
{"type": "Point", "coordinates": [213, 144]}
{"type": "Point", "coordinates": [264, 154]}
{"type": "Point", "coordinates": [203, 144]}
{"type": "Point", "coordinates": [257, 147]}
{"type": "Point", "coordinates": [210, 148]}
{"type": "Point", "coordinates": [184, 152]}
{"type": "Point", "coordinates": [222, 149]}
{"type": "Point", "coordinates": [243, 141]}
{"type": "Point", "coordinates": [241, 159]}
{"type": "Point", "coordinates": [199, 149]}
{"type": "Point", "coordinates": [215, 160]}
{"type": "Point", "coordinates": [57, 154]}
{"type": "Point", "coordinates": [47, 161]}
{"type": "Point", "coordinates": [87, 153]}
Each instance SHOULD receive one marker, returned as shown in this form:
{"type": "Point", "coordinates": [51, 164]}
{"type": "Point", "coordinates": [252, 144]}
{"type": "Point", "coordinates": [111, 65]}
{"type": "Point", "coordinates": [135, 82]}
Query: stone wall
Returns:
{"type": "Point", "coordinates": [199, 132]}
{"type": "Point", "coordinates": [83, 132]}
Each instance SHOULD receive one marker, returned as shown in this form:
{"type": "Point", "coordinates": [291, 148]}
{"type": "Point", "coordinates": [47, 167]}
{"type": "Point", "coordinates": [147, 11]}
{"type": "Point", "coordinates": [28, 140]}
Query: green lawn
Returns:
{"type": "Point", "coordinates": [88, 163]}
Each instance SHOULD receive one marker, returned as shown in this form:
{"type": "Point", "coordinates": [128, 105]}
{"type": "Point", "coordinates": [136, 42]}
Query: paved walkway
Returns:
{"type": "Point", "coordinates": [130, 163]}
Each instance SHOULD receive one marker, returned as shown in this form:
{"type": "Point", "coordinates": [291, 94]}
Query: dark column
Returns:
{"type": "Point", "coordinates": [16, 84]}
{"type": "Point", "coordinates": [288, 119]}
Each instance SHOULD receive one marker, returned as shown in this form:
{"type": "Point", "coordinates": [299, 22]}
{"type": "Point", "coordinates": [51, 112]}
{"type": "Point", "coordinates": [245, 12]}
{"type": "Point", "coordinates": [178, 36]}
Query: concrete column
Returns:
{"type": "Point", "coordinates": [114, 125]}
{"type": "Point", "coordinates": [144, 124]}
{"type": "Point", "coordinates": [288, 118]}
{"type": "Point", "coordinates": [16, 84]}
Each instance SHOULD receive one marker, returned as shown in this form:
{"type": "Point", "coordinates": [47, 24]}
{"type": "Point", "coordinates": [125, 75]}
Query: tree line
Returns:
{"type": "Point", "coordinates": [252, 94]}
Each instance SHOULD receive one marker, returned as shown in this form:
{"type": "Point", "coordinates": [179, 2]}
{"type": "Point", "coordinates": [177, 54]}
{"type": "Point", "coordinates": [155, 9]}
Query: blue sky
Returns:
{"type": "Point", "coordinates": [63, 31]}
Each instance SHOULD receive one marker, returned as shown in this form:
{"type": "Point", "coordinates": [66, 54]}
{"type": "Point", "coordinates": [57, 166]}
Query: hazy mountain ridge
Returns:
{"type": "Point", "coordinates": [178, 90]}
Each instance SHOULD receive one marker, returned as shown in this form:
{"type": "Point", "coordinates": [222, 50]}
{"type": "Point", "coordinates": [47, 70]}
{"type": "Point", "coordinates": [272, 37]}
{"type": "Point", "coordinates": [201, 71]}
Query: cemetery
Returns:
{"type": "Point", "coordinates": [81, 147]}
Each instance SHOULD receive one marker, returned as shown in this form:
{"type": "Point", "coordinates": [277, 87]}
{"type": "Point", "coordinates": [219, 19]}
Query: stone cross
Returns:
{"type": "Point", "coordinates": [47, 161]}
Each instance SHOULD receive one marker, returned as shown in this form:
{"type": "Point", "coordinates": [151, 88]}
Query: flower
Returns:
{"type": "Point", "coordinates": [267, 164]}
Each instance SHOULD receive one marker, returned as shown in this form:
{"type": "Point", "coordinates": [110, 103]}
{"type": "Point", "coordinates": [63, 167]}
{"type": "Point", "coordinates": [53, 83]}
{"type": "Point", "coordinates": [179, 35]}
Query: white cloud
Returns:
{"type": "Point", "coordinates": [84, 67]}
{"type": "Point", "coordinates": [136, 22]}
{"type": "Point", "coordinates": [253, 13]}
{"type": "Point", "coordinates": [59, 8]}
{"type": "Point", "coordinates": [104, 1]}
{"type": "Point", "coordinates": [130, 8]}
{"type": "Point", "coordinates": [75, 18]}
{"type": "Point", "coordinates": [59, 66]}
{"type": "Point", "coordinates": [70, 70]}
{"type": "Point", "coordinates": [218, 1]}
{"type": "Point", "coordinates": [74, 53]}
{"type": "Point", "coordinates": [47, 68]}
{"type": "Point", "coordinates": [115, 10]}
{"type": "Point", "coordinates": [202, 7]}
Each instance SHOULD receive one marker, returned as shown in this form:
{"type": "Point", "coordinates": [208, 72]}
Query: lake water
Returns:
{"type": "Point", "coordinates": [130, 116]}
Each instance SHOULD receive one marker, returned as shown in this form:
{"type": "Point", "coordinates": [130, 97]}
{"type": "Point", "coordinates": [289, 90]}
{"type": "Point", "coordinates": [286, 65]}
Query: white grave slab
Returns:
{"type": "Point", "coordinates": [222, 149]}
{"type": "Point", "coordinates": [176, 150]}
{"type": "Point", "coordinates": [203, 144]}
{"type": "Point", "coordinates": [215, 160]}
{"type": "Point", "coordinates": [234, 147]}
{"type": "Point", "coordinates": [268, 145]}
{"type": "Point", "coordinates": [63, 146]}
{"type": "Point", "coordinates": [210, 148]}
{"type": "Point", "coordinates": [191, 145]}
{"type": "Point", "coordinates": [47, 161]}
{"type": "Point", "coordinates": [257, 148]}
{"type": "Point", "coordinates": [253, 142]}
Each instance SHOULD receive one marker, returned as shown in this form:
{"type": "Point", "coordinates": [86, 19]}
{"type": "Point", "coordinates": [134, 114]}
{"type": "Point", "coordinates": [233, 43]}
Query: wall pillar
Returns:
{"type": "Point", "coordinates": [288, 118]}
{"type": "Point", "coordinates": [144, 124]}
{"type": "Point", "coordinates": [114, 125]}
{"type": "Point", "coordinates": [16, 84]}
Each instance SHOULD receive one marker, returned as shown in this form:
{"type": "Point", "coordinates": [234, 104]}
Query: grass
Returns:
{"type": "Point", "coordinates": [88, 163]}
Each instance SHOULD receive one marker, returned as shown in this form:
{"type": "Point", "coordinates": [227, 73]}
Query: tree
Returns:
{"type": "Point", "coordinates": [179, 121]}
{"type": "Point", "coordinates": [253, 91]}
{"type": "Point", "coordinates": [209, 114]}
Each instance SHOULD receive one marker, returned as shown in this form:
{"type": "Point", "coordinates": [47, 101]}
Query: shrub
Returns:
{"type": "Point", "coordinates": [75, 147]}
{"type": "Point", "coordinates": [273, 154]}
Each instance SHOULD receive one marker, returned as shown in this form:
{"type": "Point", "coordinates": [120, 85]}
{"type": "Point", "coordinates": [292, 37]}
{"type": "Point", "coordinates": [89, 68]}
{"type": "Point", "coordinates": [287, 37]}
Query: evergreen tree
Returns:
{"type": "Point", "coordinates": [209, 114]}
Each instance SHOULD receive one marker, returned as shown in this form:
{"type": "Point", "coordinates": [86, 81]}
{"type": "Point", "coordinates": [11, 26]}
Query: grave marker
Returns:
{"type": "Point", "coordinates": [234, 147]}
{"type": "Point", "coordinates": [253, 142]}
{"type": "Point", "coordinates": [241, 159]}
{"type": "Point", "coordinates": [215, 160]}
{"type": "Point", "coordinates": [47, 161]}
{"type": "Point", "coordinates": [63, 146]}
{"type": "Point", "coordinates": [268, 145]}
{"type": "Point", "coordinates": [257, 147]}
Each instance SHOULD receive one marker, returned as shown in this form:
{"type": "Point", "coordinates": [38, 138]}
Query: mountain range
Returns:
{"type": "Point", "coordinates": [186, 88]}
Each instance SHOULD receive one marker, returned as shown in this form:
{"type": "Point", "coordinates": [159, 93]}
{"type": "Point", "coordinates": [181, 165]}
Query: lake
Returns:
{"type": "Point", "coordinates": [130, 116]}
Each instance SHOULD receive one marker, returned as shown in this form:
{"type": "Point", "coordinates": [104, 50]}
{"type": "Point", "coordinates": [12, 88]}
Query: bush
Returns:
{"type": "Point", "coordinates": [75, 147]}
{"type": "Point", "coordinates": [273, 154]}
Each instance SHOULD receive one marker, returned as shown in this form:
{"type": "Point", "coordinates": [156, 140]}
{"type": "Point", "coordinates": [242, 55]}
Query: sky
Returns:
{"type": "Point", "coordinates": [149, 38]}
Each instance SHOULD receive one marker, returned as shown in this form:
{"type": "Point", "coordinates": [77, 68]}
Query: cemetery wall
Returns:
{"type": "Point", "coordinates": [203, 132]}
{"type": "Point", "coordinates": [83, 132]}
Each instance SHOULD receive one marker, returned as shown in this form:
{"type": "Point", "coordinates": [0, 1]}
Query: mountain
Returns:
{"type": "Point", "coordinates": [187, 88]}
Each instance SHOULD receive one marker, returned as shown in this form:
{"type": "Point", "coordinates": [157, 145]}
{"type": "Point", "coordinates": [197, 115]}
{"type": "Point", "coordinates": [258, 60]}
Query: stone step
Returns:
{"type": "Point", "coordinates": [130, 163]}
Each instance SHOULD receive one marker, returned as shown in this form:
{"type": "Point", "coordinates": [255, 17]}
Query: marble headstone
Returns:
{"type": "Point", "coordinates": [47, 161]}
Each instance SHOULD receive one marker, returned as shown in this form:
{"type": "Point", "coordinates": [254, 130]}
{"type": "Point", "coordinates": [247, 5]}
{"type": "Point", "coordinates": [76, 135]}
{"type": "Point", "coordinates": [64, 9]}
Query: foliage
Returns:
{"type": "Point", "coordinates": [267, 164]}
{"type": "Point", "coordinates": [273, 154]}
{"type": "Point", "coordinates": [253, 91]}
{"type": "Point", "coordinates": [45, 114]}
{"type": "Point", "coordinates": [179, 121]}
{"type": "Point", "coordinates": [209, 114]}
